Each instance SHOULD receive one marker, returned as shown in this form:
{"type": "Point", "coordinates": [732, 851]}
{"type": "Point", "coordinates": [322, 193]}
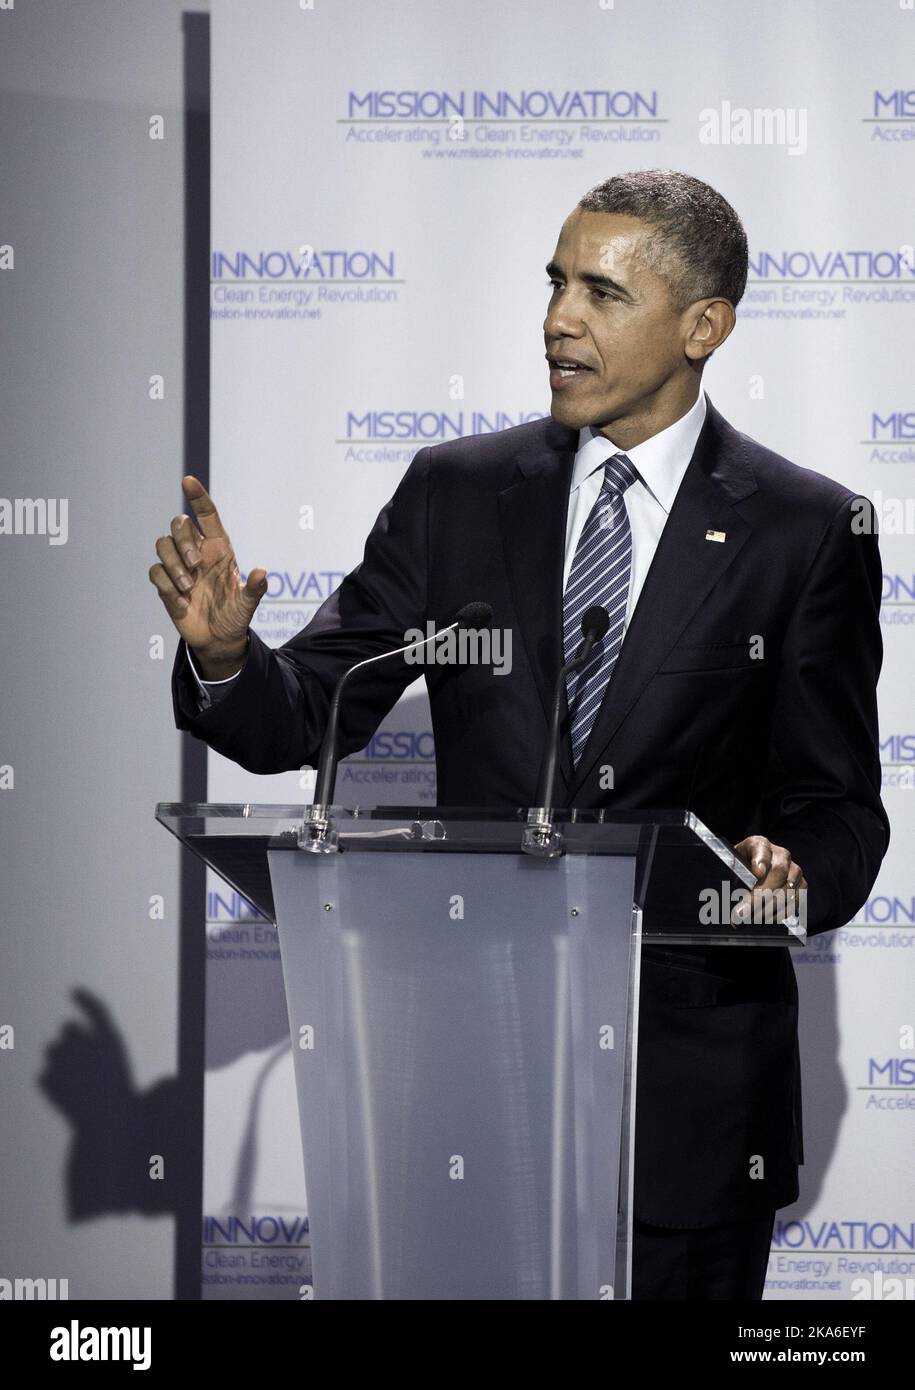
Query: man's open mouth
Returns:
{"type": "Point", "coordinates": [565, 368]}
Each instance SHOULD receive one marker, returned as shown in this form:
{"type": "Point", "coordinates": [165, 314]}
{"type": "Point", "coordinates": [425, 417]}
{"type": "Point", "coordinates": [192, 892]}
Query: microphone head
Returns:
{"type": "Point", "coordinates": [595, 622]}
{"type": "Point", "coordinates": [478, 615]}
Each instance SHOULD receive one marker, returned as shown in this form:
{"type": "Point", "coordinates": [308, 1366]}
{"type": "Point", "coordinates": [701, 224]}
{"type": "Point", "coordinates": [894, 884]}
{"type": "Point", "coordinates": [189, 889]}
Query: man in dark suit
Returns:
{"type": "Point", "coordinates": [737, 677]}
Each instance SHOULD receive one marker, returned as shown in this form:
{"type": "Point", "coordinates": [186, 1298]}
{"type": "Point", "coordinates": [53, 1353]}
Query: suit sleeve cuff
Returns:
{"type": "Point", "coordinates": [210, 692]}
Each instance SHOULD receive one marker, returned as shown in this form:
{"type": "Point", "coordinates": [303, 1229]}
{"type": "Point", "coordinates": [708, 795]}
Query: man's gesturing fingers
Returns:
{"type": "Point", "coordinates": [254, 588]}
{"type": "Point", "coordinates": [186, 538]}
{"type": "Point", "coordinates": [203, 507]}
{"type": "Point", "coordinates": [176, 604]}
{"type": "Point", "coordinates": [173, 564]}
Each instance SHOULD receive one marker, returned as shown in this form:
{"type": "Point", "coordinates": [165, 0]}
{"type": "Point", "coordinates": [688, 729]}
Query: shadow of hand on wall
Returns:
{"type": "Point", "coordinates": [126, 1152]}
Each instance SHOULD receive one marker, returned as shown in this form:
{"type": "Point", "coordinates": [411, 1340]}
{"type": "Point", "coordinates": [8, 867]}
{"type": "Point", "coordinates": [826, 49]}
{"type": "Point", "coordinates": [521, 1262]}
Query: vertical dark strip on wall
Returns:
{"type": "Point", "coordinates": [196, 460]}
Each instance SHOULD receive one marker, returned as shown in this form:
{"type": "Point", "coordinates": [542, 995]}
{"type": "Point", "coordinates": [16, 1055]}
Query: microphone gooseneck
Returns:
{"type": "Point", "coordinates": [595, 624]}
{"type": "Point", "coordinates": [472, 615]}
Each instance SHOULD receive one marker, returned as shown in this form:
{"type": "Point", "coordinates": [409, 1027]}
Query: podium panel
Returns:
{"type": "Point", "coordinates": [462, 1032]}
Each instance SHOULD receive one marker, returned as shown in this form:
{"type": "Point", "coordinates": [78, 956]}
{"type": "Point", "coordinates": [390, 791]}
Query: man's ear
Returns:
{"type": "Point", "coordinates": [711, 322]}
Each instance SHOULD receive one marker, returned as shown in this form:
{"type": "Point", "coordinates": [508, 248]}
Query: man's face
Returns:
{"type": "Point", "coordinates": [614, 315]}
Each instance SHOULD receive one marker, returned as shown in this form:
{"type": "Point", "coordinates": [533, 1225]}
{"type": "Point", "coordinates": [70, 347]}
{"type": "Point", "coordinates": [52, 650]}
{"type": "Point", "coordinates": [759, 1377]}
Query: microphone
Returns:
{"type": "Point", "coordinates": [315, 830]}
{"type": "Point", "coordinates": [473, 615]}
{"type": "Point", "coordinates": [538, 835]}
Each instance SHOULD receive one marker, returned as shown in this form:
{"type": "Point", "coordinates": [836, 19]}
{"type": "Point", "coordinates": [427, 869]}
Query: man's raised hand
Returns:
{"type": "Point", "coordinates": [198, 581]}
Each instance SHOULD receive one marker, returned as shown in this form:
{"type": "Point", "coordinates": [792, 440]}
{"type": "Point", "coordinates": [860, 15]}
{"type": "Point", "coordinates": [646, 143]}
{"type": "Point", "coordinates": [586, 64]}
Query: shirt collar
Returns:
{"type": "Point", "coordinates": [660, 461]}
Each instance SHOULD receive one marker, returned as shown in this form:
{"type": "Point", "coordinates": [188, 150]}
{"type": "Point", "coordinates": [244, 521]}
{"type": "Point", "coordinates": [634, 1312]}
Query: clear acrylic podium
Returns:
{"type": "Point", "coordinates": [464, 1023]}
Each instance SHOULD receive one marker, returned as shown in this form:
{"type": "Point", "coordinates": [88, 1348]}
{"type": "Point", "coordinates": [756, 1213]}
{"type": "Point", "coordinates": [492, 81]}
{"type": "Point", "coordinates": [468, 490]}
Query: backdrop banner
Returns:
{"type": "Point", "coordinates": [388, 185]}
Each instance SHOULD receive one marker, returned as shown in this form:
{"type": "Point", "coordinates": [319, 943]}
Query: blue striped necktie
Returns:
{"type": "Point", "coordinates": [599, 575]}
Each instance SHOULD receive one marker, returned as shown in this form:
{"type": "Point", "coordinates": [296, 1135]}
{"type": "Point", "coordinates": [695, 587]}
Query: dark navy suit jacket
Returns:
{"type": "Point", "coordinates": [785, 746]}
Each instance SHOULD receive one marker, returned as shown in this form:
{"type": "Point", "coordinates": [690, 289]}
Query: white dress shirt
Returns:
{"type": "Point", "coordinates": [660, 462]}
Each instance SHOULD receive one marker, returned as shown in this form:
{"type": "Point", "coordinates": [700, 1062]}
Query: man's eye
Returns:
{"type": "Point", "coordinates": [603, 295]}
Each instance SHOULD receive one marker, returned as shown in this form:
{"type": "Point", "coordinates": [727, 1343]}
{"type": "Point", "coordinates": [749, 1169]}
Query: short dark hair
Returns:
{"type": "Point", "coordinates": [700, 248]}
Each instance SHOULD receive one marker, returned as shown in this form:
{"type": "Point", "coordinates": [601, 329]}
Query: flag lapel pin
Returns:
{"type": "Point", "coordinates": [716, 535]}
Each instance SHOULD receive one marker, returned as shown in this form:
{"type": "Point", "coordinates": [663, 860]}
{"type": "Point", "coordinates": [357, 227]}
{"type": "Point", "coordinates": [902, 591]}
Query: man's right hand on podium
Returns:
{"type": "Point", "coordinates": [198, 581]}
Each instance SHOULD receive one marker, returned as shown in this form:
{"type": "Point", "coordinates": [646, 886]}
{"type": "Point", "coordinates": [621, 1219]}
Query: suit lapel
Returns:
{"type": "Point", "coordinates": [684, 570]}
{"type": "Point", "coordinates": [532, 513]}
